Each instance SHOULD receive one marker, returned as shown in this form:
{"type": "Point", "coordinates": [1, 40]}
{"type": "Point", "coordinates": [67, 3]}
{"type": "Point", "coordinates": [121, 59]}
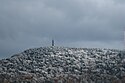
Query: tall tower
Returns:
{"type": "Point", "coordinates": [52, 42]}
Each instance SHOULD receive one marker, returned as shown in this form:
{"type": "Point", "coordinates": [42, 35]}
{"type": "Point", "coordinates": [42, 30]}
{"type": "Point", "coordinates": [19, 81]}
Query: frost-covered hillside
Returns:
{"type": "Point", "coordinates": [64, 65]}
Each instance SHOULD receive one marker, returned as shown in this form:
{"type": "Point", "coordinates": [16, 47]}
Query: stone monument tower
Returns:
{"type": "Point", "coordinates": [52, 42]}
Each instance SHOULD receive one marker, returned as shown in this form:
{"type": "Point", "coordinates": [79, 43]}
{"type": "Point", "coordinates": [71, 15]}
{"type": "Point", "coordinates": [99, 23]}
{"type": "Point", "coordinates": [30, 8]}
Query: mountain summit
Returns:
{"type": "Point", "coordinates": [64, 65]}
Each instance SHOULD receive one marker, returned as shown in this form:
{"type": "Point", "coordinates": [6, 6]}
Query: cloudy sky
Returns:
{"type": "Point", "coordinates": [72, 23]}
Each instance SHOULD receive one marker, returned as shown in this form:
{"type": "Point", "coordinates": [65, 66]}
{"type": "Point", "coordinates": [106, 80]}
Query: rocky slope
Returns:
{"type": "Point", "coordinates": [64, 65]}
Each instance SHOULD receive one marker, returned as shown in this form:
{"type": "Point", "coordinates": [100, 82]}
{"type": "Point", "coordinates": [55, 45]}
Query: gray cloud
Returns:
{"type": "Point", "coordinates": [74, 23]}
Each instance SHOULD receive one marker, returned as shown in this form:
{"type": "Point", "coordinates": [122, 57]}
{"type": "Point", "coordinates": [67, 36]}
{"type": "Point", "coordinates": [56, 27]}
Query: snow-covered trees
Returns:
{"type": "Point", "coordinates": [64, 65]}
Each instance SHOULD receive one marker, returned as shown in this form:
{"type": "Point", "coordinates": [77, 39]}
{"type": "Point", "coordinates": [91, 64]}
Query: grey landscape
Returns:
{"type": "Point", "coordinates": [62, 41]}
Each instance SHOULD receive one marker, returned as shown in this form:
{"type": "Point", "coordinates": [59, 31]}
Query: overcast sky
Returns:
{"type": "Point", "coordinates": [72, 23]}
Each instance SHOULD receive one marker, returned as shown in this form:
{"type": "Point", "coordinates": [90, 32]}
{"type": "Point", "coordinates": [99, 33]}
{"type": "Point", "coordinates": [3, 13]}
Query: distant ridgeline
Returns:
{"type": "Point", "coordinates": [64, 65]}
